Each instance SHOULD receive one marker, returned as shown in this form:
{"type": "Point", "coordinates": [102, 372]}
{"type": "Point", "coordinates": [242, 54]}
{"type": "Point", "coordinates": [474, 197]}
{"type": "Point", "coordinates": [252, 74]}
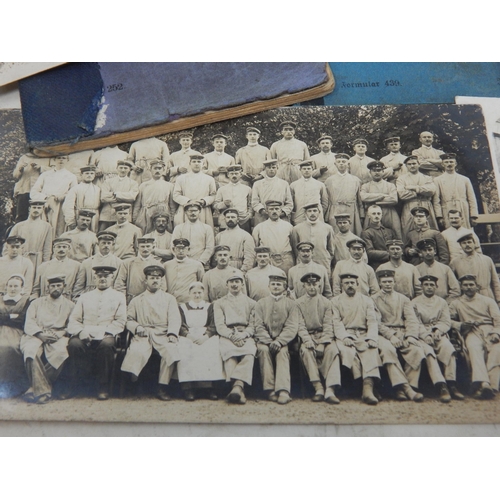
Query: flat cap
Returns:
{"type": "Point", "coordinates": [324, 137]}
{"type": "Point", "coordinates": [375, 164]}
{"type": "Point", "coordinates": [269, 163]}
{"type": "Point", "coordinates": [342, 156]}
{"type": "Point", "coordinates": [253, 129]}
{"type": "Point", "coordinates": [86, 213]}
{"type": "Point", "coordinates": [104, 270]}
{"type": "Point", "coordinates": [222, 136]}
{"type": "Point", "coordinates": [56, 278]}
{"type": "Point", "coordinates": [358, 242]}
{"type": "Point", "coordinates": [13, 240]}
{"type": "Point", "coordinates": [87, 168]}
{"type": "Point", "coordinates": [181, 242]}
{"type": "Point", "coordinates": [307, 163]}
{"type": "Point", "coordinates": [304, 244]}
{"type": "Point", "coordinates": [38, 199]}
{"type": "Point", "coordinates": [274, 203]}
{"type": "Point", "coordinates": [126, 163]}
{"type": "Point", "coordinates": [222, 248]}
{"type": "Point", "coordinates": [360, 141]}
{"type": "Point", "coordinates": [157, 161]}
{"type": "Point", "coordinates": [467, 236]}
{"type": "Point", "coordinates": [262, 250]}
{"type": "Point", "coordinates": [234, 168]}
{"type": "Point", "coordinates": [231, 211]}
{"type": "Point", "coordinates": [63, 241]}
{"type": "Point", "coordinates": [196, 156]}
{"type": "Point", "coordinates": [390, 243]}
{"type": "Point", "coordinates": [467, 277]}
{"type": "Point", "coordinates": [342, 216]}
{"type": "Point", "coordinates": [311, 205]}
{"type": "Point", "coordinates": [345, 276]}
{"type": "Point", "coordinates": [191, 204]}
{"type": "Point", "coordinates": [448, 156]}
{"type": "Point", "coordinates": [146, 239]}
{"type": "Point", "coordinates": [106, 235]}
{"type": "Point", "coordinates": [278, 277]}
{"type": "Point", "coordinates": [121, 206]}
{"type": "Point", "coordinates": [419, 211]}
{"type": "Point", "coordinates": [287, 123]}
{"type": "Point", "coordinates": [154, 270]}
{"type": "Point", "coordinates": [310, 278]}
{"type": "Point", "coordinates": [386, 273]}
{"type": "Point", "coordinates": [411, 157]}
{"type": "Point", "coordinates": [428, 277]}
{"type": "Point", "coordinates": [236, 274]}
{"type": "Point", "coordinates": [426, 243]}
{"type": "Point", "coordinates": [394, 138]}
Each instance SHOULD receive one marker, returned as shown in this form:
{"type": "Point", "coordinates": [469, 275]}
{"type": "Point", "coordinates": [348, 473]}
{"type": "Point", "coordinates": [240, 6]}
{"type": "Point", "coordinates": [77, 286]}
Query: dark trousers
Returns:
{"type": "Point", "coordinates": [96, 356]}
{"type": "Point", "coordinates": [22, 206]}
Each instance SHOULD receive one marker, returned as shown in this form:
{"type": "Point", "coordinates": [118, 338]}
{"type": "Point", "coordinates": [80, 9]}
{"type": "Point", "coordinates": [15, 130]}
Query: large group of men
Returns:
{"type": "Point", "coordinates": [362, 263]}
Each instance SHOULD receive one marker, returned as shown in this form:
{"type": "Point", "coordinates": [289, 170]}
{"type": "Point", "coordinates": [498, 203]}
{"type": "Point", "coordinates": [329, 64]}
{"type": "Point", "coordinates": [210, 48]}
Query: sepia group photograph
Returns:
{"type": "Point", "coordinates": [305, 265]}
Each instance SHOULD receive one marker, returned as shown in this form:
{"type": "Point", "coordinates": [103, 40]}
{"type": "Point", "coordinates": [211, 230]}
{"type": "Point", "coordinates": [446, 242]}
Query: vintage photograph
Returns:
{"type": "Point", "coordinates": [310, 264]}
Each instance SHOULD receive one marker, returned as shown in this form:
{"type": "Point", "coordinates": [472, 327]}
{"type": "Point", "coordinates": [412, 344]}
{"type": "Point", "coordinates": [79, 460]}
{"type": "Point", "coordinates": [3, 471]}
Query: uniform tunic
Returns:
{"type": "Point", "coordinates": [276, 319]}
{"type": "Point", "coordinates": [451, 235]}
{"type": "Point", "coordinates": [162, 244]}
{"type": "Point", "coordinates": [126, 239]}
{"type": "Point", "coordinates": [354, 318]}
{"type": "Point", "coordinates": [396, 314]}
{"type": "Point", "coordinates": [276, 236]}
{"type": "Point", "coordinates": [155, 196]}
{"type": "Point", "coordinates": [240, 196]}
{"type": "Point", "coordinates": [19, 265]}
{"type": "Point", "coordinates": [484, 354]}
{"type": "Point", "coordinates": [455, 192]}
{"type": "Point", "coordinates": [179, 159]}
{"type": "Point", "coordinates": [418, 234]}
{"type": "Point", "coordinates": [142, 152]}
{"type": "Point", "coordinates": [425, 197]}
{"type": "Point", "coordinates": [201, 239]}
{"type": "Point", "coordinates": [114, 190]}
{"type": "Point", "coordinates": [242, 245]}
{"type": "Point", "coordinates": [366, 276]}
{"type": "Point", "coordinates": [180, 275]}
{"type": "Point", "coordinates": [270, 188]}
{"type": "Point", "coordinates": [318, 319]}
{"type": "Point", "coordinates": [344, 198]}
{"type": "Point", "coordinates": [305, 191]}
{"type": "Point", "coordinates": [321, 235]}
{"type": "Point", "coordinates": [252, 158]}
{"type": "Point", "coordinates": [215, 283]}
{"type": "Point", "coordinates": [38, 236]}
{"type": "Point", "coordinates": [159, 315]}
{"type": "Point", "coordinates": [297, 272]}
{"type": "Point", "coordinates": [448, 287]}
{"type": "Point", "coordinates": [289, 153]}
{"type": "Point", "coordinates": [217, 164]}
{"type": "Point", "coordinates": [131, 280]}
{"type": "Point", "coordinates": [357, 167]}
{"type": "Point", "coordinates": [193, 186]}
{"type": "Point", "coordinates": [87, 196]}
{"type": "Point", "coordinates": [43, 314]}
{"type": "Point", "coordinates": [340, 248]}
{"type": "Point", "coordinates": [425, 153]}
{"type": "Point", "coordinates": [83, 244]}
{"type": "Point", "coordinates": [483, 268]}
{"type": "Point", "coordinates": [54, 183]}
{"type": "Point", "coordinates": [376, 248]}
{"type": "Point", "coordinates": [199, 362]}
{"type": "Point", "coordinates": [86, 273]}
{"type": "Point", "coordinates": [257, 280]}
{"type": "Point", "coordinates": [98, 312]}
{"type": "Point", "coordinates": [66, 267]}
{"type": "Point", "coordinates": [390, 218]}
{"type": "Point", "coordinates": [394, 162]}
{"type": "Point", "coordinates": [105, 160]}
{"type": "Point", "coordinates": [236, 312]}
{"type": "Point", "coordinates": [406, 278]}
{"type": "Point", "coordinates": [433, 313]}
{"type": "Point", "coordinates": [324, 160]}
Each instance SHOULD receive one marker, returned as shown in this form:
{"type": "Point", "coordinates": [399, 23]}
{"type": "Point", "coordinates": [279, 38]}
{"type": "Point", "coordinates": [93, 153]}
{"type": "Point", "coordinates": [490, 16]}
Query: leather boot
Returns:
{"type": "Point", "coordinates": [444, 393]}
{"type": "Point", "coordinates": [411, 394]}
{"type": "Point", "coordinates": [455, 393]}
{"type": "Point", "coordinates": [368, 397]}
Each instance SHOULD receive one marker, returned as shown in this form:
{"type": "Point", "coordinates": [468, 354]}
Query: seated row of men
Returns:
{"type": "Point", "coordinates": [202, 343]}
{"type": "Point", "coordinates": [337, 192]}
